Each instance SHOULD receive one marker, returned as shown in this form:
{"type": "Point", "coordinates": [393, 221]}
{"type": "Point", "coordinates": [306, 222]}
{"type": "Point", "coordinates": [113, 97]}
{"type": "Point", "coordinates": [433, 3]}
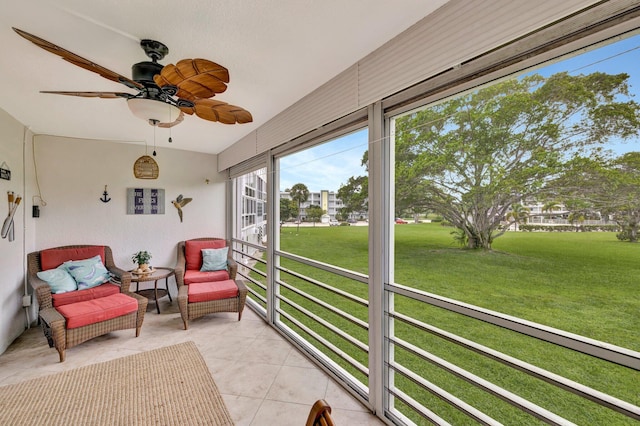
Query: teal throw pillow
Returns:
{"type": "Point", "coordinates": [58, 279]}
{"type": "Point", "coordinates": [87, 273]}
{"type": "Point", "coordinates": [214, 259]}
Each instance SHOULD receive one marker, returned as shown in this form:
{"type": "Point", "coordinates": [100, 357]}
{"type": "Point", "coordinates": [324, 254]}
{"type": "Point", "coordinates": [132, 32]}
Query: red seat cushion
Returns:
{"type": "Point", "coordinates": [52, 258]}
{"type": "Point", "coordinates": [193, 251]}
{"type": "Point", "coordinates": [103, 290]}
{"type": "Point", "coordinates": [98, 310]}
{"type": "Point", "coordinates": [191, 277]}
{"type": "Point", "coordinates": [205, 292]}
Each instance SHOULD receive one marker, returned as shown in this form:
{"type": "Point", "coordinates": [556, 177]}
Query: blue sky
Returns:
{"type": "Point", "coordinates": [325, 166]}
{"type": "Point", "coordinates": [331, 164]}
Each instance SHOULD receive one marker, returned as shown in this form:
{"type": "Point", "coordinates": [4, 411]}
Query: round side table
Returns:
{"type": "Point", "coordinates": [156, 293]}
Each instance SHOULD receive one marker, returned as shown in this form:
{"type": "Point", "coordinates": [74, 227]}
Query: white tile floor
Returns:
{"type": "Point", "coordinates": [263, 379]}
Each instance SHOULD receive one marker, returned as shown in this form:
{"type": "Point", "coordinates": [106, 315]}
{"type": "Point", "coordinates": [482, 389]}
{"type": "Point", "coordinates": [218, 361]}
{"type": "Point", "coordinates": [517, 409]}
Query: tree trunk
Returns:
{"type": "Point", "coordinates": [477, 239]}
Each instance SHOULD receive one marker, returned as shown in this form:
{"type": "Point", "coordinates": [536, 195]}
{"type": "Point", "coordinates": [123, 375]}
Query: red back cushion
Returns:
{"type": "Point", "coordinates": [195, 276]}
{"type": "Point", "coordinates": [193, 253]}
{"type": "Point", "coordinates": [52, 258]}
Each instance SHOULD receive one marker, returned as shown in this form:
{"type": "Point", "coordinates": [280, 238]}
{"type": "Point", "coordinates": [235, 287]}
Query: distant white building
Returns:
{"type": "Point", "coordinates": [558, 215]}
{"type": "Point", "coordinates": [327, 200]}
{"type": "Point", "coordinates": [252, 208]}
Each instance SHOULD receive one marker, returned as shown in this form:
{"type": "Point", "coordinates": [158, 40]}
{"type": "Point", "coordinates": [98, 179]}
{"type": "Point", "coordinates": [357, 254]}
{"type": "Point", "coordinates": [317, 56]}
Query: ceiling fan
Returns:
{"type": "Point", "coordinates": [164, 93]}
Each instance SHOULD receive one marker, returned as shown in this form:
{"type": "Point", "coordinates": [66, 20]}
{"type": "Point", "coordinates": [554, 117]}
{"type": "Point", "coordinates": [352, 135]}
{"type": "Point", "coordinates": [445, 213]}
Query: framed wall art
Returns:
{"type": "Point", "coordinates": [145, 201]}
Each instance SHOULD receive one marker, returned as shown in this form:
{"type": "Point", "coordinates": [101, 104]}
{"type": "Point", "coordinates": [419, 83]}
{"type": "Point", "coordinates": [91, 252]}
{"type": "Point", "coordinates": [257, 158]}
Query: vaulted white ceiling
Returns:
{"type": "Point", "coordinates": [277, 51]}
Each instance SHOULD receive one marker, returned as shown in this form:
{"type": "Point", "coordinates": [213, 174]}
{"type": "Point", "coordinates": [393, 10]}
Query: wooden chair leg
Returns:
{"type": "Point", "coordinates": [186, 324]}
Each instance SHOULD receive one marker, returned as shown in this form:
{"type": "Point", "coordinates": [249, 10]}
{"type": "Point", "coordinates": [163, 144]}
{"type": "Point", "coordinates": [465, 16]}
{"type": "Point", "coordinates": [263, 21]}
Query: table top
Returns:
{"type": "Point", "coordinates": [157, 274]}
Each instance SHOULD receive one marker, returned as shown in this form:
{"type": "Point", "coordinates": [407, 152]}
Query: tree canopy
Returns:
{"type": "Point", "coordinates": [472, 157]}
{"type": "Point", "coordinates": [288, 209]}
{"type": "Point", "coordinates": [314, 213]}
{"type": "Point", "coordinates": [354, 195]}
{"type": "Point", "coordinates": [607, 187]}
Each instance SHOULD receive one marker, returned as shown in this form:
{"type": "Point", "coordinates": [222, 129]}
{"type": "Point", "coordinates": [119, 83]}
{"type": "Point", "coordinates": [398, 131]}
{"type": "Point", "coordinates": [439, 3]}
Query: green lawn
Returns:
{"type": "Point", "coordinates": [585, 283]}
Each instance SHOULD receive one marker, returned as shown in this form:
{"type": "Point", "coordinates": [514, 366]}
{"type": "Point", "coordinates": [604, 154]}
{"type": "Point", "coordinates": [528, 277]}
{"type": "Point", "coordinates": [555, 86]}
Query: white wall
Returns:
{"type": "Point", "coordinates": [72, 175]}
{"type": "Point", "coordinates": [12, 261]}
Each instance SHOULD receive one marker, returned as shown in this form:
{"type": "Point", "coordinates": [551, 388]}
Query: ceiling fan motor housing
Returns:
{"type": "Point", "coordinates": [143, 72]}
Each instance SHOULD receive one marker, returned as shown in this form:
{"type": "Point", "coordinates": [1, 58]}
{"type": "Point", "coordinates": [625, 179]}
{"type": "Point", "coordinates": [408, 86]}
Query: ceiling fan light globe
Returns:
{"type": "Point", "coordinates": [150, 110]}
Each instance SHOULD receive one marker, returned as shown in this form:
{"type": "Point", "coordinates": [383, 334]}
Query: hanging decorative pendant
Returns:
{"type": "Point", "coordinates": [146, 167]}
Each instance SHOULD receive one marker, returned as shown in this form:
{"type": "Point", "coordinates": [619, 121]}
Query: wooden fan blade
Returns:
{"type": "Point", "coordinates": [78, 60]}
{"type": "Point", "coordinates": [194, 78]}
{"type": "Point", "coordinates": [173, 123]}
{"type": "Point", "coordinates": [222, 112]}
{"type": "Point", "coordinates": [188, 110]}
{"type": "Point", "coordinates": [103, 95]}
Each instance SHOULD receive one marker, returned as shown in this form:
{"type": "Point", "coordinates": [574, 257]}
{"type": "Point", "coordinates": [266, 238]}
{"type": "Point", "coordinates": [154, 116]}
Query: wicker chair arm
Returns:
{"type": "Point", "coordinates": [42, 291]}
{"type": "Point", "coordinates": [181, 260]}
{"type": "Point", "coordinates": [123, 276]}
{"type": "Point", "coordinates": [50, 316]}
{"type": "Point", "coordinates": [179, 276]}
{"type": "Point", "coordinates": [242, 288]}
{"type": "Point", "coordinates": [232, 267]}
{"type": "Point", "coordinates": [181, 265]}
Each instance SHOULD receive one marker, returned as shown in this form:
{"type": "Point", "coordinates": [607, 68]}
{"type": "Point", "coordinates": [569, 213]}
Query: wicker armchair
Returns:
{"type": "Point", "coordinates": [189, 280]}
{"type": "Point", "coordinates": [54, 323]}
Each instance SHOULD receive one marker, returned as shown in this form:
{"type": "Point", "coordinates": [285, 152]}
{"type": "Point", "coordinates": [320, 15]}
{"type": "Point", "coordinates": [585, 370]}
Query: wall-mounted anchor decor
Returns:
{"type": "Point", "coordinates": [105, 196]}
{"type": "Point", "coordinates": [5, 173]}
{"type": "Point", "coordinates": [179, 203]}
{"type": "Point", "coordinates": [7, 226]}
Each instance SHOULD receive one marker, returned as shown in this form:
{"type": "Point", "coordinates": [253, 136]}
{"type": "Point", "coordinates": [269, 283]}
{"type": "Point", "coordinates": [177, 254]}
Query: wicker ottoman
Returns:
{"type": "Point", "coordinates": [198, 299]}
{"type": "Point", "coordinates": [69, 325]}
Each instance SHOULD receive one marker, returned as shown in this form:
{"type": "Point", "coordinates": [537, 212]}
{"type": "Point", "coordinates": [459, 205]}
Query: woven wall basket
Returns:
{"type": "Point", "coordinates": [146, 167]}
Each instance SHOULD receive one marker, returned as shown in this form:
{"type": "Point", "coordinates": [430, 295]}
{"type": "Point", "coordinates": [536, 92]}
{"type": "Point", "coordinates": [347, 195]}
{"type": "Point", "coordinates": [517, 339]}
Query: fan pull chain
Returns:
{"type": "Point", "coordinates": [170, 140]}
{"type": "Point", "coordinates": [155, 124]}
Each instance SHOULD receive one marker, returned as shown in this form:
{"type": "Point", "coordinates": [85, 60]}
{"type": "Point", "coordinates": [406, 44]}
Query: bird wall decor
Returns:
{"type": "Point", "coordinates": [179, 203]}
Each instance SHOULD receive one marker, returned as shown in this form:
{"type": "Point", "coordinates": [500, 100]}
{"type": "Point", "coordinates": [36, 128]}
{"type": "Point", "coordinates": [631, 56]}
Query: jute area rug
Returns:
{"type": "Point", "coordinates": [166, 386]}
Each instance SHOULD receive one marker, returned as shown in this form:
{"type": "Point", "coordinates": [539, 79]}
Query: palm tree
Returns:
{"type": "Point", "coordinates": [551, 207]}
{"type": "Point", "coordinates": [300, 193]}
{"type": "Point", "coordinates": [518, 214]}
{"type": "Point", "coordinates": [579, 209]}
{"type": "Point", "coordinates": [576, 218]}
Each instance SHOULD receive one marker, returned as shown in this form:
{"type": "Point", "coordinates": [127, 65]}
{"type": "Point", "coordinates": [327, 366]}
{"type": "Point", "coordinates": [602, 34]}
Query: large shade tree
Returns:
{"type": "Point", "coordinates": [622, 199]}
{"type": "Point", "coordinates": [354, 195]}
{"type": "Point", "coordinates": [610, 187]}
{"type": "Point", "coordinates": [471, 158]}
